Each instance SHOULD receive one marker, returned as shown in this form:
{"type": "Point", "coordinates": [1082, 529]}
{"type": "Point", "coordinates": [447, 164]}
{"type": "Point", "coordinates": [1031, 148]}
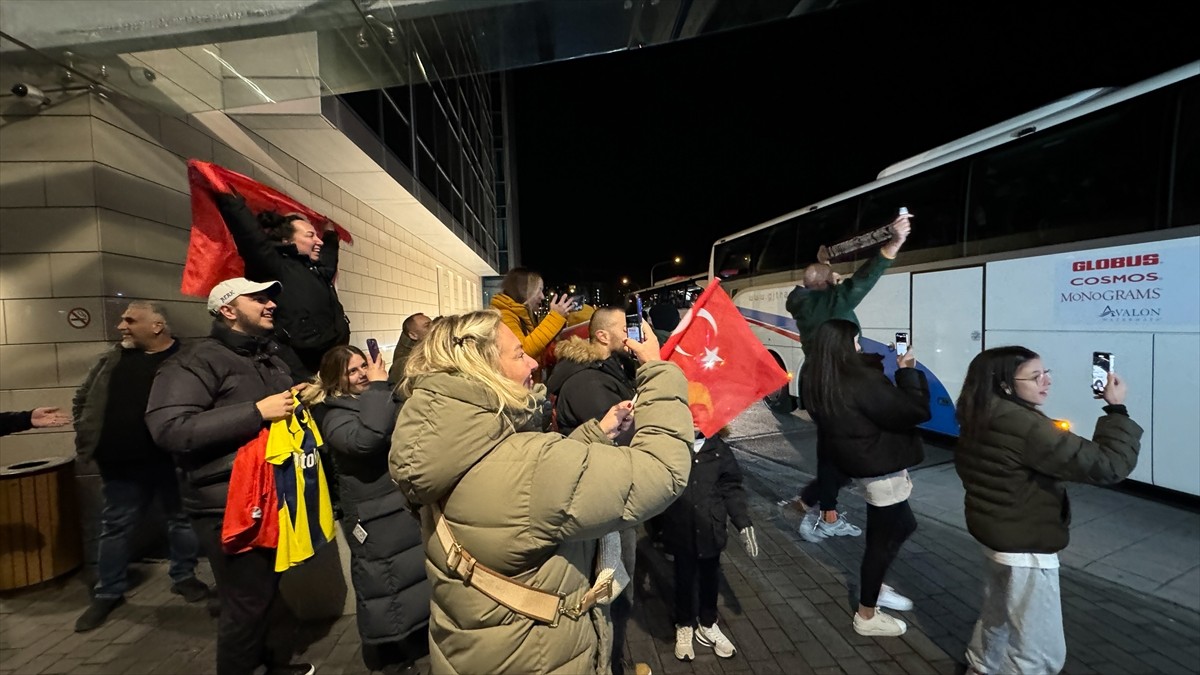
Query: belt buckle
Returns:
{"type": "Point", "coordinates": [454, 557]}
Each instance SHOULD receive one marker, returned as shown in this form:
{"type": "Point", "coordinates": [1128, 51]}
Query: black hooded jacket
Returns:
{"type": "Point", "coordinates": [875, 432]}
{"type": "Point", "coordinates": [694, 525]}
{"type": "Point", "coordinates": [309, 314]}
{"type": "Point", "coordinates": [202, 409]}
{"type": "Point", "coordinates": [587, 381]}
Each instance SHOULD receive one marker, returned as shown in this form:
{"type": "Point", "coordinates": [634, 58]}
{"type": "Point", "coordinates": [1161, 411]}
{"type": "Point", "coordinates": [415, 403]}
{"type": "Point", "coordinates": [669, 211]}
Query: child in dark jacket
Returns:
{"type": "Point", "coordinates": [694, 531]}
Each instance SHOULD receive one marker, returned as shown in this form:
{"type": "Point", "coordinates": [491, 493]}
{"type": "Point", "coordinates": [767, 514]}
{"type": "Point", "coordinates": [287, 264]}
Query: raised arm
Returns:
{"type": "Point", "coordinates": [1108, 458]}
{"type": "Point", "coordinates": [900, 407]}
{"type": "Point", "coordinates": [540, 337]}
{"type": "Point", "coordinates": [370, 430]}
{"type": "Point", "coordinates": [606, 488]}
{"type": "Point", "coordinates": [253, 246]}
{"type": "Point", "coordinates": [331, 248]}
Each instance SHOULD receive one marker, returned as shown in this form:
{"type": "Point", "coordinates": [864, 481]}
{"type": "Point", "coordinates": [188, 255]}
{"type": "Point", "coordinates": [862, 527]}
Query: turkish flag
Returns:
{"type": "Point", "coordinates": [212, 256]}
{"type": "Point", "coordinates": [727, 368]}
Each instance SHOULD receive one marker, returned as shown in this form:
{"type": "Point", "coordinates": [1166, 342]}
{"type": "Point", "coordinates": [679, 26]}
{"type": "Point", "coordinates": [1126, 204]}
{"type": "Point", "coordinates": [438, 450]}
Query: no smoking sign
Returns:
{"type": "Point", "coordinates": [79, 318]}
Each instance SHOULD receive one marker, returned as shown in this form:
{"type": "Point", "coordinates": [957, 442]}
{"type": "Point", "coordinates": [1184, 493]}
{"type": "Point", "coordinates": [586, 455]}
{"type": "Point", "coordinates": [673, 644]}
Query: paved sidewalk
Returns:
{"type": "Point", "coordinates": [789, 610]}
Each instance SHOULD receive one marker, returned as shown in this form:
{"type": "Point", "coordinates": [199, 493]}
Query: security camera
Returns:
{"type": "Point", "coordinates": [23, 90]}
{"type": "Point", "coordinates": [142, 76]}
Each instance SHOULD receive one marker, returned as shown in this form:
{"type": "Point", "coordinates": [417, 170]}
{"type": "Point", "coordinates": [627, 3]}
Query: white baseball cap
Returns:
{"type": "Point", "coordinates": [223, 293]}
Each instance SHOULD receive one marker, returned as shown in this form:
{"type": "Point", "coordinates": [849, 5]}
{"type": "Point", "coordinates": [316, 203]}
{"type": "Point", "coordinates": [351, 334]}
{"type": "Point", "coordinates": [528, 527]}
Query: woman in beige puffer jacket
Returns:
{"type": "Point", "coordinates": [528, 504]}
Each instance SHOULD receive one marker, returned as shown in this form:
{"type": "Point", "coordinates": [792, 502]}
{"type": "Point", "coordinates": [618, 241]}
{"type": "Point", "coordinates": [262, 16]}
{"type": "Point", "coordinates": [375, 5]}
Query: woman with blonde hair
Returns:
{"type": "Point", "coordinates": [356, 412]}
{"type": "Point", "coordinates": [521, 293]}
{"type": "Point", "coordinates": [511, 515]}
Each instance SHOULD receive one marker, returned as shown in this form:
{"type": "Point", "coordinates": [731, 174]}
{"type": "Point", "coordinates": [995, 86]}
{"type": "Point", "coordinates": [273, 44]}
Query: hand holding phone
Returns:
{"type": "Point", "coordinates": [373, 348]}
{"type": "Point", "coordinates": [901, 343]}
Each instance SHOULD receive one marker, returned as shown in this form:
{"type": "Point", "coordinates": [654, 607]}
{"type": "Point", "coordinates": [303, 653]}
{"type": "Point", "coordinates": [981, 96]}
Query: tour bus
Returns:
{"type": "Point", "coordinates": [679, 291]}
{"type": "Point", "coordinates": [1072, 229]}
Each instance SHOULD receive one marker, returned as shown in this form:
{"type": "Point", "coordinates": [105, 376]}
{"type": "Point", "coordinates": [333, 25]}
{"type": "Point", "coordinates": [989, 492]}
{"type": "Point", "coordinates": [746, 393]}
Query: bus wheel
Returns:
{"type": "Point", "coordinates": [780, 400]}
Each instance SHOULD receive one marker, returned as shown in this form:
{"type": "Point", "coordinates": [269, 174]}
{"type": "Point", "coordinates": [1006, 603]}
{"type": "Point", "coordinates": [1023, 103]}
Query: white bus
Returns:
{"type": "Point", "coordinates": [679, 291]}
{"type": "Point", "coordinates": [1071, 229]}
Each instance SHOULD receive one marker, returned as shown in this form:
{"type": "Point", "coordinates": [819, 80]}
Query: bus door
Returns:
{"type": "Point", "coordinates": [947, 332]}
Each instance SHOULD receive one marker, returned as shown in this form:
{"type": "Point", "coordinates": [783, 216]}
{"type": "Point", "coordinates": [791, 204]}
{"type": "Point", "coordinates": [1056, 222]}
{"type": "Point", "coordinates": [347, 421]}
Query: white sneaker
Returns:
{"type": "Point", "coordinates": [880, 625]}
{"type": "Point", "coordinates": [888, 597]}
{"type": "Point", "coordinates": [808, 527]}
{"type": "Point", "coordinates": [838, 528]}
{"type": "Point", "coordinates": [683, 643]}
{"type": "Point", "coordinates": [711, 636]}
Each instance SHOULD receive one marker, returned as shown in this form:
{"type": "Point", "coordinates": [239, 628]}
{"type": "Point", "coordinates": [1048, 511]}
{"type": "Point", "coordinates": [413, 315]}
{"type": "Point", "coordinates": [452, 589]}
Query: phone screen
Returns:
{"type": "Point", "coordinates": [1102, 365]}
{"type": "Point", "coordinates": [373, 348]}
{"type": "Point", "coordinates": [633, 327]}
{"type": "Point", "coordinates": [901, 343]}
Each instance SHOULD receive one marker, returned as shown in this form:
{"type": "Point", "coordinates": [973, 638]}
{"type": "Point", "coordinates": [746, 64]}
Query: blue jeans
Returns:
{"type": "Point", "coordinates": [128, 491]}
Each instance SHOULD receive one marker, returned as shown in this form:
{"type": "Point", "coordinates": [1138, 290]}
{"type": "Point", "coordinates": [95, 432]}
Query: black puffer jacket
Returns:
{"type": "Point", "coordinates": [1014, 472]}
{"type": "Point", "coordinates": [875, 433]}
{"type": "Point", "coordinates": [694, 525]}
{"type": "Point", "coordinates": [586, 382]}
{"type": "Point", "coordinates": [309, 315]}
{"type": "Point", "coordinates": [202, 409]}
{"type": "Point", "coordinates": [387, 560]}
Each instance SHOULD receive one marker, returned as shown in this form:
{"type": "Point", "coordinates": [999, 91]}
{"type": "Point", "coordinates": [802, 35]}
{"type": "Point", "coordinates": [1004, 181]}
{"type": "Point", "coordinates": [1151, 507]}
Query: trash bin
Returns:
{"type": "Point", "coordinates": [39, 522]}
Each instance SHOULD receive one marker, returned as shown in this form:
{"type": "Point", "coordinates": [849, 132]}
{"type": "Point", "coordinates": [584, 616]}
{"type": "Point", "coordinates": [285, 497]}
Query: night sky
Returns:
{"type": "Point", "coordinates": [658, 152]}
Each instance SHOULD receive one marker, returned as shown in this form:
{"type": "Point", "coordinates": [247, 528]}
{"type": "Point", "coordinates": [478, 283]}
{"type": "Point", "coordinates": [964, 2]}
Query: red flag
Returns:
{"type": "Point", "coordinates": [212, 256]}
{"type": "Point", "coordinates": [727, 368]}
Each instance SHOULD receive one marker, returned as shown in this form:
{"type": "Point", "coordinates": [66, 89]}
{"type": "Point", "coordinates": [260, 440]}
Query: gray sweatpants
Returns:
{"type": "Point", "coordinates": [1020, 627]}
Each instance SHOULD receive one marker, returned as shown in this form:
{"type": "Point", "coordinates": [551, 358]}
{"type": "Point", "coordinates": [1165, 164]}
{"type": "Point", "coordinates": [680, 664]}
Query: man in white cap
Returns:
{"type": "Point", "coordinates": [208, 400]}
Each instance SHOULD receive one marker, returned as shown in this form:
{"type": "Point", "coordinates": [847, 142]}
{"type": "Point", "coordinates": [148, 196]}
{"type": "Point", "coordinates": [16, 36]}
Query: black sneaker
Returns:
{"type": "Point", "coordinates": [292, 669]}
{"type": "Point", "coordinates": [96, 613]}
{"type": "Point", "coordinates": [192, 590]}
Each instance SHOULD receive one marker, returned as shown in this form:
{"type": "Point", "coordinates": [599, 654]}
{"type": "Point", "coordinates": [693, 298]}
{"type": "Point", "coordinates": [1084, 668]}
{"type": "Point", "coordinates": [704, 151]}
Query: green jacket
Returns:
{"type": "Point", "coordinates": [532, 506]}
{"type": "Point", "coordinates": [810, 309]}
{"type": "Point", "coordinates": [1014, 473]}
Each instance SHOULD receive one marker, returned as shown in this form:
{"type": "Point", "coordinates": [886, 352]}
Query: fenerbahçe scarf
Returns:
{"type": "Point", "coordinates": [305, 508]}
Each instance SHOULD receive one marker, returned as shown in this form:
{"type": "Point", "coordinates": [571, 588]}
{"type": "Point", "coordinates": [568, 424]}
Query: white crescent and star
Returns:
{"type": "Point", "coordinates": [710, 358]}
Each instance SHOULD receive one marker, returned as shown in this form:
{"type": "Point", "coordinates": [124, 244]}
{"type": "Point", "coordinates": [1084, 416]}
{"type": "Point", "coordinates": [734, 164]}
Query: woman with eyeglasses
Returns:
{"type": "Point", "coordinates": [1013, 461]}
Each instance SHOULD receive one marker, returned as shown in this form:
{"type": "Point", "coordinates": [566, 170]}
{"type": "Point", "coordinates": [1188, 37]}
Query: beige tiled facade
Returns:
{"type": "Point", "coordinates": [94, 210]}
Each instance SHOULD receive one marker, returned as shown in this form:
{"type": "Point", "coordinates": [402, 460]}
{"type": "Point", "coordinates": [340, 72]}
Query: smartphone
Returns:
{"type": "Point", "coordinates": [1102, 365]}
{"type": "Point", "coordinates": [902, 212]}
{"type": "Point", "coordinates": [901, 343]}
{"type": "Point", "coordinates": [633, 327]}
{"type": "Point", "coordinates": [373, 348]}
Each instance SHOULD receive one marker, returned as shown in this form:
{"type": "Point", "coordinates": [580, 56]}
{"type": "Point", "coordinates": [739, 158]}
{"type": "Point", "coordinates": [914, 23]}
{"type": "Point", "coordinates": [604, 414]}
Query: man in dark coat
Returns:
{"type": "Point", "coordinates": [414, 328]}
{"type": "Point", "coordinates": [110, 427]}
{"type": "Point", "coordinates": [208, 400]}
{"type": "Point", "coordinates": [309, 318]}
{"type": "Point", "coordinates": [590, 377]}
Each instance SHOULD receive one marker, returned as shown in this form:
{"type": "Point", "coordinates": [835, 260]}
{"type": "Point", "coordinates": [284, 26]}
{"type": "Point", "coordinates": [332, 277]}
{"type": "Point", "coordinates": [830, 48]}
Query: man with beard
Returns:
{"type": "Point", "coordinates": [207, 401]}
{"type": "Point", "coordinates": [109, 411]}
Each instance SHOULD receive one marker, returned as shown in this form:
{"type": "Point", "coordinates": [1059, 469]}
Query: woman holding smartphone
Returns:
{"type": "Point", "coordinates": [869, 428]}
{"type": "Point", "coordinates": [1013, 461]}
{"type": "Point", "coordinates": [357, 411]}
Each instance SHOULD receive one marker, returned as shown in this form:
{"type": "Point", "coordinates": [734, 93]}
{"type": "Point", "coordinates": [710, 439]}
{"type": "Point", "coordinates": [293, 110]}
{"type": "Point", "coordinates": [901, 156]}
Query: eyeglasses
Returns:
{"type": "Point", "coordinates": [1040, 378]}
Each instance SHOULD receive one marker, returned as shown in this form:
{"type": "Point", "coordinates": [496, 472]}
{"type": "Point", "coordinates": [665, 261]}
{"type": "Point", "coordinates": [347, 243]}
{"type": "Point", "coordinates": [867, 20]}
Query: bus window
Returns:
{"type": "Point", "coordinates": [779, 253]}
{"type": "Point", "coordinates": [1185, 206]}
{"type": "Point", "coordinates": [937, 201]}
{"type": "Point", "coordinates": [1081, 181]}
{"type": "Point", "coordinates": [828, 225]}
{"type": "Point", "coordinates": [735, 258]}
